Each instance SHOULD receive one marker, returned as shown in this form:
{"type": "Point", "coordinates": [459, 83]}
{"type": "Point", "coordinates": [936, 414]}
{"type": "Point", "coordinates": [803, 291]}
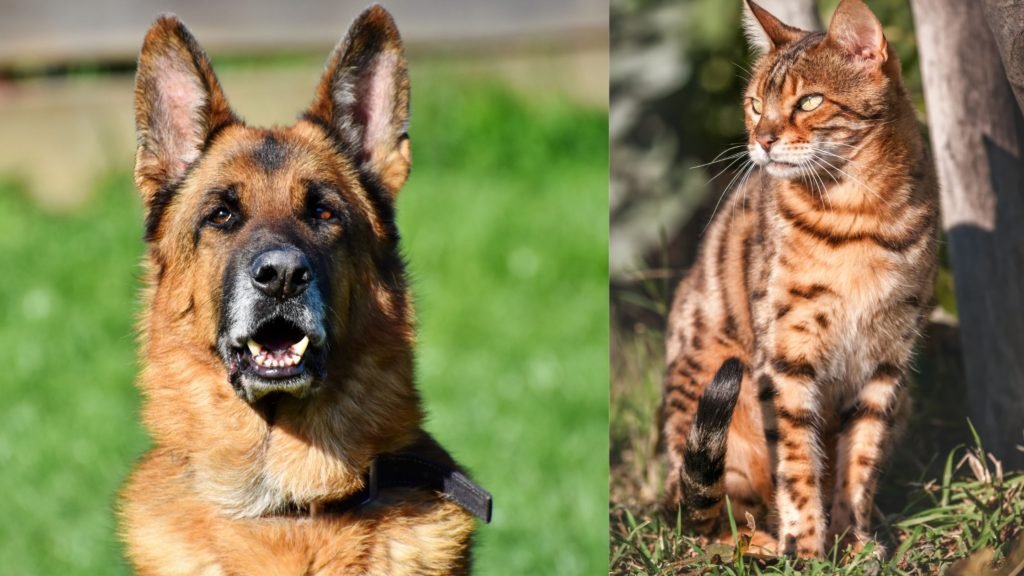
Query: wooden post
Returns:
{"type": "Point", "coordinates": [1006, 20]}
{"type": "Point", "coordinates": [977, 137]}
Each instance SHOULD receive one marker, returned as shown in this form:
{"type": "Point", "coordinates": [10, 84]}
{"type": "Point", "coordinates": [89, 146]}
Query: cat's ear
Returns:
{"type": "Point", "coordinates": [178, 104]}
{"type": "Point", "coordinates": [766, 32]}
{"type": "Point", "coordinates": [364, 97]}
{"type": "Point", "coordinates": [857, 32]}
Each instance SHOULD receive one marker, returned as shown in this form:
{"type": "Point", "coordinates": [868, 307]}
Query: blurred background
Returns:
{"type": "Point", "coordinates": [678, 69]}
{"type": "Point", "coordinates": [504, 223]}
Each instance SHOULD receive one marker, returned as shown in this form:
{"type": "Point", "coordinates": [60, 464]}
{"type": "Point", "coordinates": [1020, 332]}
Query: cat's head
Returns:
{"type": "Point", "coordinates": [813, 97]}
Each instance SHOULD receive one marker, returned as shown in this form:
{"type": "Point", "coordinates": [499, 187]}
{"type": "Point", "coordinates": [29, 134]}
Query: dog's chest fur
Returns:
{"type": "Point", "coordinates": [404, 532]}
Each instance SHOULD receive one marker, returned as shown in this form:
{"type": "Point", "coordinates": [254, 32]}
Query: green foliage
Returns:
{"type": "Point", "coordinates": [504, 225]}
{"type": "Point", "coordinates": [68, 429]}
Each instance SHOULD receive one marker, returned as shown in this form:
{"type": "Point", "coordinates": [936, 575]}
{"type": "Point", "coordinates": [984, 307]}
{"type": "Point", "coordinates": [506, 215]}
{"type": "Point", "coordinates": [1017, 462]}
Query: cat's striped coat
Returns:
{"type": "Point", "coordinates": [818, 276]}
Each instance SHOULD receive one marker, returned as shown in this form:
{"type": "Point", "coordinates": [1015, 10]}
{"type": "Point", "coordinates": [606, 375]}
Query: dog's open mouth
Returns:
{"type": "Point", "coordinates": [279, 356]}
{"type": "Point", "coordinates": [277, 349]}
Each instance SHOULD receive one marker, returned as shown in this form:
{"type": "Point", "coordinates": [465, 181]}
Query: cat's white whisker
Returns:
{"type": "Point", "coordinates": [746, 71]}
{"type": "Point", "coordinates": [716, 159]}
{"type": "Point", "coordinates": [822, 167]}
{"type": "Point", "coordinates": [848, 175]}
{"type": "Point", "coordinates": [817, 183]}
{"type": "Point", "coordinates": [725, 192]}
{"type": "Point", "coordinates": [834, 143]}
{"type": "Point", "coordinates": [735, 159]}
{"type": "Point", "coordinates": [719, 160]}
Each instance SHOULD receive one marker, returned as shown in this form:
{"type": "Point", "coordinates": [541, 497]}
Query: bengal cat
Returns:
{"type": "Point", "coordinates": [817, 277]}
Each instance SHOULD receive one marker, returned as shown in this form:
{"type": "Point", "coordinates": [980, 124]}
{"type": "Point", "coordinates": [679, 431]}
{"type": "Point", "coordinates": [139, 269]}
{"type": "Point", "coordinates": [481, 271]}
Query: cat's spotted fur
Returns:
{"type": "Point", "coordinates": [818, 275]}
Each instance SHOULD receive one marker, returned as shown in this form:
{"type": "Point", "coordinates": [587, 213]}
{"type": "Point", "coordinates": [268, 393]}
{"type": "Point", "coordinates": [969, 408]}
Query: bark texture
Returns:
{"type": "Point", "coordinates": [1006, 20]}
{"type": "Point", "coordinates": [977, 135]}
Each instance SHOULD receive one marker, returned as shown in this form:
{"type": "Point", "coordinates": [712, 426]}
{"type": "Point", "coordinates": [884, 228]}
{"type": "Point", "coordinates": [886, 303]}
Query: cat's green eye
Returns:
{"type": "Point", "coordinates": [808, 103]}
{"type": "Point", "coordinates": [755, 103]}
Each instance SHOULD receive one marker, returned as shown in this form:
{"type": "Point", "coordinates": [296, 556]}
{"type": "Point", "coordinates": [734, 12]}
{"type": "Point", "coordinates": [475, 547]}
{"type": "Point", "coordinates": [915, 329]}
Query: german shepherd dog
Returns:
{"type": "Point", "coordinates": [277, 331]}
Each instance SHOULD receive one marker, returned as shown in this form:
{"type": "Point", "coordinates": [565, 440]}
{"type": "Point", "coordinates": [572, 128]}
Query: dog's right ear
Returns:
{"type": "Point", "coordinates": [363, 98]}
{"type": "Point", "coordinates": [178, 105]}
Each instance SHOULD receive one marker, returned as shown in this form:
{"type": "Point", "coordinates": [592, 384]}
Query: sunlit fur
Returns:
{"type": "Point", "coordinates": [218, 493]}
{"type": "Point", "coordinates": [818, 274]}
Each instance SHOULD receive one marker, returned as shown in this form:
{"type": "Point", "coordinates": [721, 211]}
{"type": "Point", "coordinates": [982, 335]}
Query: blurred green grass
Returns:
{"type": "Point", "coordinates": [504, 223]}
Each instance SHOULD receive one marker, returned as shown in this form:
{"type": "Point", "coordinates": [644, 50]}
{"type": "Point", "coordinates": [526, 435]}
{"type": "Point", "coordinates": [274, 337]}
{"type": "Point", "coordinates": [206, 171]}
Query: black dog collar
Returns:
{"type": "Point", "coordinates": [408, 471]}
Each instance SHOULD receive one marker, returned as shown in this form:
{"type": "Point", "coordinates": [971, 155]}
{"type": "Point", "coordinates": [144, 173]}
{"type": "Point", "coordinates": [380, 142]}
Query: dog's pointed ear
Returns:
{"type": "Point", "coordinates": [178, 105]}
{"type": "Point", "coordinates": [363, 98]}
{"type": "Point", "coordinates": [766, 32]}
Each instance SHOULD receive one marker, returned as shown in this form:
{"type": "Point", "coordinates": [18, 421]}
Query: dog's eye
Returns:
{"type": "Point", "coordinates": [323, 213]}
{"type": "Point", "coordinates": [221, 217]}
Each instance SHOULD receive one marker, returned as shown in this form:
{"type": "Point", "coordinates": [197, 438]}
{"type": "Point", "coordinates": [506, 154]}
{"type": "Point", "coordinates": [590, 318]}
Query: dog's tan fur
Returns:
{"type": "Point", "coordinates": [217, 493]}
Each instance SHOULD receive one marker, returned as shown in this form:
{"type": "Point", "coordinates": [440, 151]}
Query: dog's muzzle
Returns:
{"type": "Point", "coordinates": [273, 335]}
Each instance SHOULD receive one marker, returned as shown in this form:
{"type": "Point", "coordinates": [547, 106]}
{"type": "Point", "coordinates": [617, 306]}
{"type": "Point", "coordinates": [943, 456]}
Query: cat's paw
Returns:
{"type": "Point", "coordinates": [858, 544]}
{"type": "Point", "coordinates": [803, 546]}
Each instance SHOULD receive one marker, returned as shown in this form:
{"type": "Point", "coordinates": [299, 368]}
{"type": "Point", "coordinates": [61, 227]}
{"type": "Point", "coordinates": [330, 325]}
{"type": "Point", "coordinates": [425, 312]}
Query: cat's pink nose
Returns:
{"type": "Point", "coordinates": [766, 140]}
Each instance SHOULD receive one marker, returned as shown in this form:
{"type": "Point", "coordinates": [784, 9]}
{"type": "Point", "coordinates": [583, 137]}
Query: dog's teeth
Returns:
{"type": "Point", "coordinates": [299, 348]}
{"type": "Point", "coordinates": [292, 356]}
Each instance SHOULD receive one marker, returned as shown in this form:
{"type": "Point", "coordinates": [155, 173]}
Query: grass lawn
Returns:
{"type": "Point", "coordinates": [950, 512]}
{"type": "Point", "coordinates": [504, 224]}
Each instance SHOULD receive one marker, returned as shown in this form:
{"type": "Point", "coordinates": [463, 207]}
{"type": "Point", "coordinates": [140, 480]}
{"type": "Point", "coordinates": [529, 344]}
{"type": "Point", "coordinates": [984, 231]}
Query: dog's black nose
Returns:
{"type": "Point", "coordinates": [281, 272]}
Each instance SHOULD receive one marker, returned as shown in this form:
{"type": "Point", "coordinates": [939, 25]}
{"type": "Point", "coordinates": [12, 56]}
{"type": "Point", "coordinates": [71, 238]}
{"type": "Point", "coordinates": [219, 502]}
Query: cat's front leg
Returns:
{"type": "Point", "coordinates": [798, 497]}
{"type": "Point", "coordinates": [866, 434]}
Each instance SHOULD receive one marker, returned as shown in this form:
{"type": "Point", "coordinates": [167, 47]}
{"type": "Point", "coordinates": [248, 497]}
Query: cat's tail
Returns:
{"type": "Point", "coordinates": [702, 475]}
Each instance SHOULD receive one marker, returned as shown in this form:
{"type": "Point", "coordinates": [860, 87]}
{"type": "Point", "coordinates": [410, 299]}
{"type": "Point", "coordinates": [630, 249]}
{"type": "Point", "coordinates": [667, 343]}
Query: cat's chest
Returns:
{"type": "Point", "coordinates": [836, 300]}
{"type": "Point", "coordinates": [844, 289]}
{"type": "Point", "coordinates": [858, 277]}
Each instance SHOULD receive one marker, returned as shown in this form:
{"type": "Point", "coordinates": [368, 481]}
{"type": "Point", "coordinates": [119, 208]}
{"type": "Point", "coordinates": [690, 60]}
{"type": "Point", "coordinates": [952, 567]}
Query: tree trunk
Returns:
{"type": "Point", "coordinates": [977, 137]}
{"type": "Point", "coordinates": [1006, 20]}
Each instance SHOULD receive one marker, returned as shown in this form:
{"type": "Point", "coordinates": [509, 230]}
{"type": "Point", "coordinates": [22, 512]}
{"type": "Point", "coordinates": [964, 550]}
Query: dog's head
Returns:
{"type": "Point", "coordinates": [274, 251]}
